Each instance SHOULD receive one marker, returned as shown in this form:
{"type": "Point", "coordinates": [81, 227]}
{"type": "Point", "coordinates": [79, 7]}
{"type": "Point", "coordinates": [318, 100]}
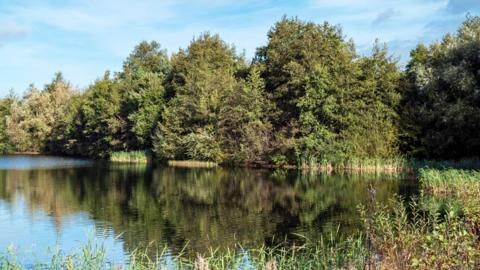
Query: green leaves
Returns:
{"type": "Point", "coordinates": [441, 97]}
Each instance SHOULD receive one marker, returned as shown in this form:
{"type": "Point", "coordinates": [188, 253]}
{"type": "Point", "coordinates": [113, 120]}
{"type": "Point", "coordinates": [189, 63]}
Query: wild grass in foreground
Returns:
{"type": "Point", "coordinates": [438, 230]}
{"type": "Point", "coordinates": [421, 240]}
{"type": "Point", "coordinates": [129, 157]}
{"type": "Point", "coordinates": [325, 254]}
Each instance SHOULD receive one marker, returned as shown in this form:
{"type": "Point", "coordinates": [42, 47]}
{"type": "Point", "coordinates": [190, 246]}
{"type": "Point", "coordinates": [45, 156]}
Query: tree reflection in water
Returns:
{"type": "Point", "coordinates": [205, 208]}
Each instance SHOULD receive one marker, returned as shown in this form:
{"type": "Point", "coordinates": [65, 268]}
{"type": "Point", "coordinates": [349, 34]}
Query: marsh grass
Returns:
{"type": "Point", "coordinates": [325, 254]}
{"type": "Point", "coordinates": [130, 157]}
{"type": "Point", "coordinates": [455, 182]}
{"type": "Point", "coordinates": [192, 164]}
{"type": "Point", "coordinates": [384, 165]}
{"type": "Point", "coordinates": [355, 165]}
{"type": "Point", "coordinates": [407, 237]}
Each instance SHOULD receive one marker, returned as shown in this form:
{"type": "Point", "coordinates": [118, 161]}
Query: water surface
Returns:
{"type": "Point", "coordinates": [60, 203]}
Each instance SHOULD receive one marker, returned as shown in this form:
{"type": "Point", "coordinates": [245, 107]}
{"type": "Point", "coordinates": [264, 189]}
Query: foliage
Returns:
{"type": "Point", "coordinates": [441, 96]}
{"type": "Point", "coordinates": [141, 86]}
{"type": "Point", "coordinates": [327, 98]}
{"type": "Point", "coordinates": [322, 255]}
{"type": "Point", "coordinates": [5, 107]}
{"type": "Point", "coordinates": [98, 125]}
{"type": "Point", "coordinates": [37, 115]}
{"type": "Point", "coordinates": [244, 128]}
{"type": "Point", "coordinates": [424, 241]}
{"type": "Point", "coordinates": [307, 99]}
{"type": "Point", "coordinates": [204, 74]}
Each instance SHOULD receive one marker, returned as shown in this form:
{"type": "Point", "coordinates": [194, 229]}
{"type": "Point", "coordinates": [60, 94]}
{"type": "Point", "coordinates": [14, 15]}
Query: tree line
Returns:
{"type": "Point", "coordinates": [307, 96]}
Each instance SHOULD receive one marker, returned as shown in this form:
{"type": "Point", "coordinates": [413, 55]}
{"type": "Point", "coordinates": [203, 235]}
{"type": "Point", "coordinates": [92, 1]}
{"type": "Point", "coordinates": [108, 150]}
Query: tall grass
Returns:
{"type": "Point", "coordinates": [421, 240]}
{"type": "Point", "coordinates": [129, 157]}
{"type": "Point", "coordinates": [192, 164]}
{"type": "Point", "coordinates": [392, 165]}
{"type": "Point", "coordinates": [384, 165]}
{"type": "Point", "coordinates": [450, 181]}
{"type": "Point", "coordinates": [325, 254]}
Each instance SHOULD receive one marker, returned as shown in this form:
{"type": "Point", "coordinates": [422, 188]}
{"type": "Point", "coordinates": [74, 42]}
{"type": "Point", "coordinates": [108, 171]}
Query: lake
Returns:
{"type": "Point", "coordinates": [49, 203]}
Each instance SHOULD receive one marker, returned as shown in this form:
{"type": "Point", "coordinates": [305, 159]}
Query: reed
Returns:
{"type": "Point", "coordinates": [450, 181]}
{"type": "Point", "coordinates": [129, 157]}
{"type": "Point", "coordinates": [408, 237]}
{"type": "Point", "coordinates": [325, 254]}
{"type": "Point", "coordinates": [393, 165]}
{"type": "Point", "coordinates": [384, 165]}
{"type": "Point", "coordinates": [192, 164]}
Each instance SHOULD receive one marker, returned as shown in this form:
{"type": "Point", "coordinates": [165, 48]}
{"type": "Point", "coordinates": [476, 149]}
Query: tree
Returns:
{"type": "Point", "coordinates": [5, 110]}
{"type": "Point", "coordinates": [244, 127]}
{"type": "Point", "coordinates": [146, 57]}
{"type": "Point", "coordinates": [441, 102]}
{"type": "Point", "coordinates": [201, 76]}
{"type": "Point", "coordinates": [331, 103]}
{"type": "Point", "coordinates": [376, 130]}
{"type": "Point", "coordinates": [294, 50]}
{"type": "Point", "coordinates": [143, 94]}
{"type": "Point", "coordinates": [33, 119]}
{"type": "Point", "coordinates": [98, 124]}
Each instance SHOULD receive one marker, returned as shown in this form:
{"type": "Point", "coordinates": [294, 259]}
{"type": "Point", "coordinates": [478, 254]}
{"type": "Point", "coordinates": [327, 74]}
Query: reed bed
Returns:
{"type": "Point", "coordinates": [381, 165]}
{"type": "Point", "coordinates": [192, 164]}
{"type": "Point", "coordinates": [450, 181]}
{"type": "Point", "coordinates": [129, 157]}
{"type": "Point", "coordinates": [394, 165]}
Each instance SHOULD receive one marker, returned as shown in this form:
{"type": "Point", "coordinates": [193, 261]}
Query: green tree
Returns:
{"type": "Point", "coordinates": [331, 103]}
{"type": "Point", "coordinates": [201, 76]}
{"type": "Point", "coordinates": [243, 123]}
{"type": "Point", "coordinates": [98, 123]}
{"type": "Point", "coordinates": [441, 104]}
{"type": "Point", "coordinates": [375, 132]}
{"type": "Point", "coordinates": [33, 119]}
{"type": "Point", "coordinates": [5, 108]}
{"type": "Point", "coordinates": [141, 86]}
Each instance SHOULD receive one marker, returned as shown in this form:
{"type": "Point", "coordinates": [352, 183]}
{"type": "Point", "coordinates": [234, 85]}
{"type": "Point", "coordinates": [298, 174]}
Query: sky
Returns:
{"type": "Point", "coordinates": [85, 38]}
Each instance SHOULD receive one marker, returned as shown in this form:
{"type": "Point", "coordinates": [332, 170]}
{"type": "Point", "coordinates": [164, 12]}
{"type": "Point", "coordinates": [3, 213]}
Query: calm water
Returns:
{"type": "Point", "coordinates": [48, 202]}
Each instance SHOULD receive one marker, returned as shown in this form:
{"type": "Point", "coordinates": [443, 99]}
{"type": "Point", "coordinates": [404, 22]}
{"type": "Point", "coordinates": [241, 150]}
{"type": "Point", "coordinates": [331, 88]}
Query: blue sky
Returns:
{"type": "Point", "coordinates": [84, 38]}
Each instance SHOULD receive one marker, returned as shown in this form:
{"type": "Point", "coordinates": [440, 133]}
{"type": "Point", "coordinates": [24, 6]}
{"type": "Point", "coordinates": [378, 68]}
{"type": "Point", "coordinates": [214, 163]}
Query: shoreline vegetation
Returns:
{"type": "Point", "coordinates": [130, 157]}
{"type": "Point", "coordinates": [390, 166]}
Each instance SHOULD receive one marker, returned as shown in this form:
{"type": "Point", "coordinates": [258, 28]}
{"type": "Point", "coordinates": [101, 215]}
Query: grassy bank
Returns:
{"type": "Point", "coordinates": [130, 157]}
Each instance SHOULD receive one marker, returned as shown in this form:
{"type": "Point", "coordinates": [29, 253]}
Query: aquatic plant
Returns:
{"type": "Point", "coordinates": [192, 164]}
{"type": "Point", "coordinates": [129, 157]}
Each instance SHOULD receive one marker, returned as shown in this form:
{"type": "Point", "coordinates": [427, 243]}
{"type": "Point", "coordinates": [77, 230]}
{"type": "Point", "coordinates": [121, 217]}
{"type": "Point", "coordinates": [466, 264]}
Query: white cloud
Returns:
{"type": "Point", "coordinates": [84, 38]}
{"type": "Point", "coordinates": [11, 29]}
